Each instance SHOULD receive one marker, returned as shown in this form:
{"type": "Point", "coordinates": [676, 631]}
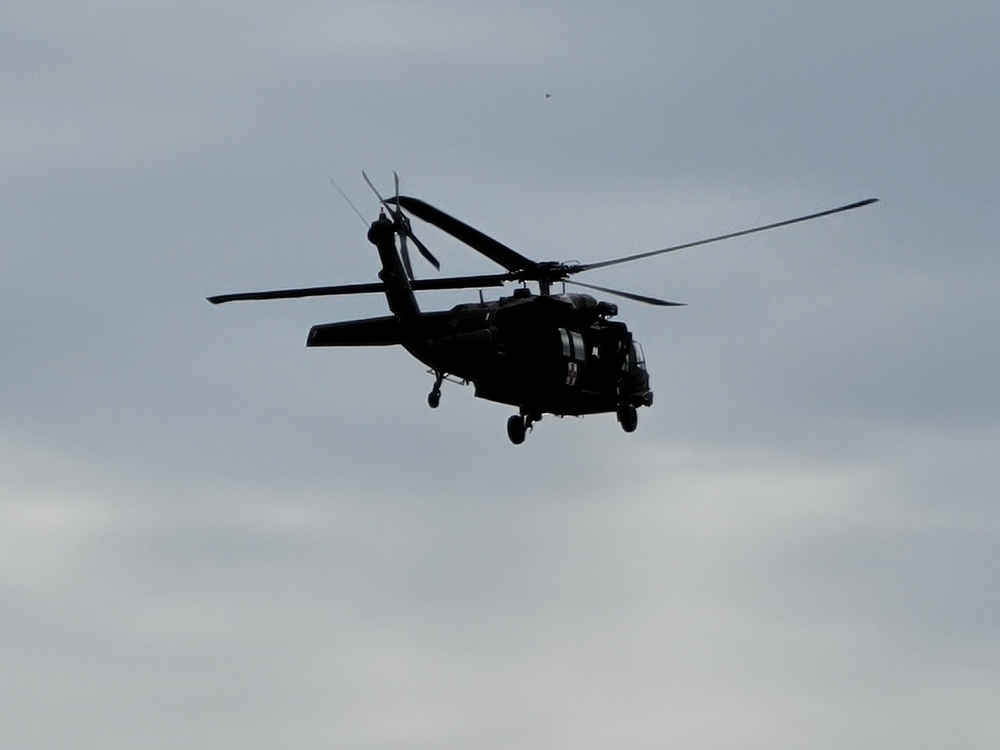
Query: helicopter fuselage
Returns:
{"type": "Point", "coordinates": [557, 354]}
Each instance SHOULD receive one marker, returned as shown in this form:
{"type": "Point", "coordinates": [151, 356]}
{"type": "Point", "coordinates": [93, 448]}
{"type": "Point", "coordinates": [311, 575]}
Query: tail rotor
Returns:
{"type": "Point", "coordinates": [401, 225]}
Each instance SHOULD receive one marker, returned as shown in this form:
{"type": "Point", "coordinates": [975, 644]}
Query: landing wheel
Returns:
{"type": "Point", "coordinates": [628, 417]}
{"type": "Point", "coordinates": [516, 429]}
{"type": "Point", "coordinates": [434, 397]}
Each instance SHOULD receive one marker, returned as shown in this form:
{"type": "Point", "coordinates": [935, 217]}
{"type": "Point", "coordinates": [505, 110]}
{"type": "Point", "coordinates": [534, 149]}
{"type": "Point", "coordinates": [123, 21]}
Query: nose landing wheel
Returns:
{"type": "Point", "coordinates": [516, 429]}
{"type": "Point", "coordinates": [628, 417]}
{"type": "Point", "coordinates": [519, 425]}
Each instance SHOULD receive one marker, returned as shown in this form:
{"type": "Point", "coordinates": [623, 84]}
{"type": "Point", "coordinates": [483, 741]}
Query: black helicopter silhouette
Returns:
{"type": "Point", "coordinates": [543, 353]}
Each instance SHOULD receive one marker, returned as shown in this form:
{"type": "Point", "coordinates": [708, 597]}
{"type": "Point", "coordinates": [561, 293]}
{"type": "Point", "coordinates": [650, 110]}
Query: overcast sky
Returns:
{"type": "Point", "coordinates": [212, 537]}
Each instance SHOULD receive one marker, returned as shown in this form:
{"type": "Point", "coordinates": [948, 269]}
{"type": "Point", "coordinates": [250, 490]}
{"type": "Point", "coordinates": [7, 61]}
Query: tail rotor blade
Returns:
{"type": "Point", "coordinates": [402, 223]}
{"type": "Point", "coordinates": [375, 190]}
{"type": "Point", "coordinates": [406, 257]}
{"type": "Point", "coordinates": [423, 248]}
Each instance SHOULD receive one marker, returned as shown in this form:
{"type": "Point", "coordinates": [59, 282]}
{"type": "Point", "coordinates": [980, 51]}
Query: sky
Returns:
{"type": "Point", "coordinates": [213, 537]}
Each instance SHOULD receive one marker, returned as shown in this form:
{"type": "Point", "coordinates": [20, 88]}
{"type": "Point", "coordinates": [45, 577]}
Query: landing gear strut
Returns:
{"type": "Point", "coordinates": [434, 397]}
{"type": "Point", "coordinates": [519, 425]}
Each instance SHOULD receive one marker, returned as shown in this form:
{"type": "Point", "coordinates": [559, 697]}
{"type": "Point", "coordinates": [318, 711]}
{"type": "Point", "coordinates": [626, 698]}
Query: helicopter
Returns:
{"type": "Point", "coordinates": [543, 353]}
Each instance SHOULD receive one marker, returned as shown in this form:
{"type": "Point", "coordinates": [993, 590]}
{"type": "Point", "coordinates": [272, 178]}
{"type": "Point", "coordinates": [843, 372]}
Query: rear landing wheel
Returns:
{"type": "Point", "coordinates": [434, 397]}
{"type": "Point", "coordinates": [516, 429]}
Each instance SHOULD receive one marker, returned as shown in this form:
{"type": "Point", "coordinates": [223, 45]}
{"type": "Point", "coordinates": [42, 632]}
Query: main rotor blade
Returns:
{"type": "Point", "coordinates": [629, 295]}
{"type": "Point", "coordinates": [314, 291]}
{"type": "Point", "coordinates": [462, 282]}
{"type": "Point", "coordinates": [419, 285]}
{"type": "Point", "coordinates": [775, 225]}
{"type": "Point", "coordinates": [491, 248]}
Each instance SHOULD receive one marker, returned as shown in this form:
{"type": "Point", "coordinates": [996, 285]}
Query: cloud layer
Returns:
{"type": "Point", "coordinates": [213, 537]}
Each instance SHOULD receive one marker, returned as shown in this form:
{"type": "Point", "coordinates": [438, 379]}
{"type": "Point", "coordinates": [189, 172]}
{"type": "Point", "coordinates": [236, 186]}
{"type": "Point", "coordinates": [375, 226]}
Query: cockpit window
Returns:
{"type": "Point", "coordinates": [637, 352]}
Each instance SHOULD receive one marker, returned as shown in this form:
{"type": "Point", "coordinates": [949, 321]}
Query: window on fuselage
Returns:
{"type": "Point", "coordinates": [572, 345]}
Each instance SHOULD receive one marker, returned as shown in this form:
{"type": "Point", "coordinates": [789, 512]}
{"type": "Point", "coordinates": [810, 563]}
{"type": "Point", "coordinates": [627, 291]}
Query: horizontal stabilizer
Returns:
{"type": "Point", "coordinates": [370, 332]}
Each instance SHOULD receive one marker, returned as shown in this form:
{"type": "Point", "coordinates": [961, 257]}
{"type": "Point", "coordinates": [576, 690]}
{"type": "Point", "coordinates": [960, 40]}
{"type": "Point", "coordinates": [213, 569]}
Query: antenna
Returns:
{"type": "Point", "coordinates": [349, 203]}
